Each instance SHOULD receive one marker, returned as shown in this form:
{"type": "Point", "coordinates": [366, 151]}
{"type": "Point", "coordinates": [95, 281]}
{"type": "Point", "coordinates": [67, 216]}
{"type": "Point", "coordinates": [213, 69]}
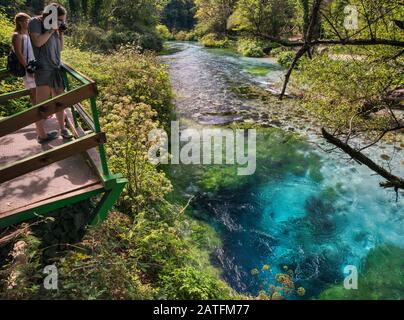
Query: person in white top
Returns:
{"type": "Point", "coordinates": [22, 47]}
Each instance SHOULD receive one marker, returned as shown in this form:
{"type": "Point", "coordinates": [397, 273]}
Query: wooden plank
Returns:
{"type": "Point", "coordinates": [46, 108]}
{"type": "Point", "coordinates": [13, 95]}
{"type": "Point", "coordinates": [49, 205]}
{"type": "Point", "coordinates": [41, 160]}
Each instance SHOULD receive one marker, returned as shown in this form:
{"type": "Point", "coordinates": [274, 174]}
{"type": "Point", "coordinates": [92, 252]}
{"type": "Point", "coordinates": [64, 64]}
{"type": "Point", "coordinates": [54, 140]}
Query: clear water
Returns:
{"type": "Point", "coordinates": [314, 224]}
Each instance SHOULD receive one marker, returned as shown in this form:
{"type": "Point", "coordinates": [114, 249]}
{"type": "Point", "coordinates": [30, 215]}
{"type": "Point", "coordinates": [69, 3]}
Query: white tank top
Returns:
{"type": "Point", "coordinates": [27, 48]}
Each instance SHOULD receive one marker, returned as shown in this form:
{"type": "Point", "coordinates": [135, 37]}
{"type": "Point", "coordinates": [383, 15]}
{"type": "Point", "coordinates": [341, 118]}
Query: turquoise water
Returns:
{"type": "Point", "coordinates": [304, 209]}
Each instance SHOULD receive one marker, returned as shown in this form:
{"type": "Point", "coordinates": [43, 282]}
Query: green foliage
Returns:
{"type": "Point", "coordinates": [128, 149]}
{"type": "Point", "coordinates": [273, 17]}
{"type": "Point", "coordinates": [20, 280]}
{"type": "Point", "coordinates": [381, 278]}
{"type": "Point", "coordinates": [249, 48]}
{"type": "Point", "coordinates": [179, 15]}
{"type": "Point", "coordinates": [190, 283]}
{"type": "Point", "coordinates": [152, 255]}
{"type": "Point", "coordinates": [211, 41]}
{"type": "Point", "coordinates": [286, 58]}
{"type": "Point", "coordinates": [16, 105]}
{"type": "Point", "coordinates": [94, 38]}
{"type": "Point", "coordinates": [134, 87]}
{"type": "Point", "coordinates": [126, 73]}
{"type": "Point", "coordinates": [278, 50]}
{"type": "Point", "coordinates": [94, 27]}
{"type": "Point", "coordinates": [339, 89]}
{"type": "Point", "coordinates": [6, 30]}
{"type": "Point", "coordinates": [185, 36]}
{"type": "Point", "coordinates": [212, 16]}
{"type": "Point", "coordinates": [163, 32]}
{"type": "Point", "coordinates": [382, 25]}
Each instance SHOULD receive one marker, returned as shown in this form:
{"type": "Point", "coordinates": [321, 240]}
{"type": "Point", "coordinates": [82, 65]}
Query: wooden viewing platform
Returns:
{"type": "Point", "coordinates": [36, 179]}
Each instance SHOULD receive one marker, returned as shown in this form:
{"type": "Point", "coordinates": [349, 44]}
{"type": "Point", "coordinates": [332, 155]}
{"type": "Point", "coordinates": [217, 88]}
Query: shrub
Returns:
{"type": "Point", "coordinates": [163, 32]}
{"type": "Point", "coordinates": [268, 47]}
{"type": "Point", "coordinates": [278, 50]}
{"type": "Point", "coordinates": [250, 48]}
{"type": "Point", "coordinates": [285, 58]}
{"type": "Point", "coordinates": [211, 41]}
{"type": "Point", "coordinates": [93, 38]}
{"type": "Point", "coordinates": [190, 283]}
{"type": "Point", "coordinates": [184, 36]}
{"type": "Point", "coordinates": [128, 147]}
{"type": "Point", "coordinates": [126, 73]}
{"type": "Point", "coordinates": [6, 29]}
{"type": "Point", "coordinates": [181, 36]}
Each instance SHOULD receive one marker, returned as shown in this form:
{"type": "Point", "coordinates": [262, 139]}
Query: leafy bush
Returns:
{"type": "Point", "coordinates": [249, 48]}
{"type": "Point", "coordinates": [211, 41]}
{"type": "Point", "coordinates": [181, 36]}
{"type": "Point", "coordinates": [95, 38]}
{"type": "Point", "coordinates": [185, 36]}
{"type": "Point", "coordinates": [6, 30]}
{"type": "Point", "coordinates": [190, 283]}
{"type": "Point", "coordinates": [285, 58]}
{"type": "Point", "coordinates": [278, 50]}
{"type": "Point", "coordinates": [126, 73]}
{"type": "Point", "coordinates": [128, 149]}
{"type": "Point", "coordinates": [163, 32]}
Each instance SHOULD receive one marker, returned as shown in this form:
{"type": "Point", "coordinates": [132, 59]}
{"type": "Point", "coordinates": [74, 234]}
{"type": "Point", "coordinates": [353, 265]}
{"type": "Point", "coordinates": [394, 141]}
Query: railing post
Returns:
{"type": "Point", "coordinates": [97, 127]}
{"type": "Point", "coordinates": [67, 84]}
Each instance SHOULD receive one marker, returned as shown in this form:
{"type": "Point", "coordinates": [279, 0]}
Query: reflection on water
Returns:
{"type": "Point", "coordinates": [308, 210]}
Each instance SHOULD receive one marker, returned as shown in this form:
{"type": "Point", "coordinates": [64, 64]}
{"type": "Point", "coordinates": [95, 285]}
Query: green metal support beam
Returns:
{"type": "Point", "coordinates": [97, 127]}
{"type": "Point", "coordinates": [108, 200]}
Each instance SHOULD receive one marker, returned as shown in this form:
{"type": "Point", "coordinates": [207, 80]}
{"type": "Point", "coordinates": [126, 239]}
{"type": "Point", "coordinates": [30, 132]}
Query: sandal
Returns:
{"type": "Point", "coordinates": [49, 137]}
{"type": "Point", "coordinates": [66, 134]}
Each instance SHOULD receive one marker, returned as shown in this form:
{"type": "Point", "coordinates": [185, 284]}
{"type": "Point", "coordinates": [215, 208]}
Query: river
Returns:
{"type": "Point", "coordinates": [305, 209]}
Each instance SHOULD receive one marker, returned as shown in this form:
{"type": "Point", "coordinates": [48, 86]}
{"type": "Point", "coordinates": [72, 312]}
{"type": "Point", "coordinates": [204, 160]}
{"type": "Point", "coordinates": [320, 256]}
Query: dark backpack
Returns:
{"type": "Point", "coordinates": [14, 66]}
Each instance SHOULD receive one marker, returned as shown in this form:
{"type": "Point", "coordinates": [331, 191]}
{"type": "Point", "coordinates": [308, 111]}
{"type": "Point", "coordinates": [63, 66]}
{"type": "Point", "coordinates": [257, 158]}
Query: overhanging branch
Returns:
{"type": "Point", "coordinates": [392, 180]}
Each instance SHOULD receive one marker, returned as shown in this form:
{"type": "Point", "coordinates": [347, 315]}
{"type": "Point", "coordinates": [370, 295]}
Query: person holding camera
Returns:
{"type": "Point", "coordinates": [21, 45]}
{"type": "Point", "coordinates": [47, 46]}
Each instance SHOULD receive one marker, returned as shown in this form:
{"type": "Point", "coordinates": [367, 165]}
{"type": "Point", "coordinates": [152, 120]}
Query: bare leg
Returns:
{"type": "Point", "coordinates": [61, 114]}
{"type": "Point", "coordinates": [32, 96]}
{"type": "Point", "coordinates": [42, 94]}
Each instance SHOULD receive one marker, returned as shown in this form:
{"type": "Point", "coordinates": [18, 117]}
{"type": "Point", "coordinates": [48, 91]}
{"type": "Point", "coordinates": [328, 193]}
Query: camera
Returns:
{"type": "Point", "coordinates": [32, 66]}
{"type": "Point", "coordinates": [62, 26]}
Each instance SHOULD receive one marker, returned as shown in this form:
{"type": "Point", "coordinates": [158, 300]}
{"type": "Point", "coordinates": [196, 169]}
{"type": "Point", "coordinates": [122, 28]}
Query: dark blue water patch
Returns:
{"type": "Point", "coordinates": [256, 231]}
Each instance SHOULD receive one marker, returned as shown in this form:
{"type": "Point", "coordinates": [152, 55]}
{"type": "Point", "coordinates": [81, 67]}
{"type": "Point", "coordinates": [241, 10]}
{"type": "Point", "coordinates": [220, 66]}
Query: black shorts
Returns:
{"type": "Point", "coordinates": [49, 77]}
